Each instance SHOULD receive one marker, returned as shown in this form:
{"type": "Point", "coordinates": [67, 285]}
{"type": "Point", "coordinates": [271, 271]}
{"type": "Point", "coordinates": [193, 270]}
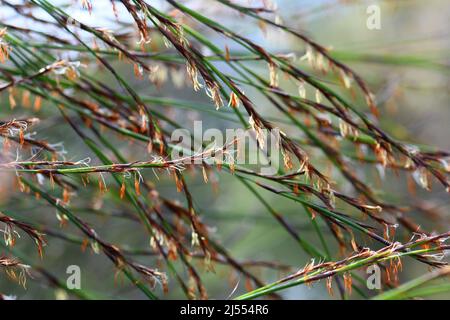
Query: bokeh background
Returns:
{"type": "Point", "coordinates": [407, 65]}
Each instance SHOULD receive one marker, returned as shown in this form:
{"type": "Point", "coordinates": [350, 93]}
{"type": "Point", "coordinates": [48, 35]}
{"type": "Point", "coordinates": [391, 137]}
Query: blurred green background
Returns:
{"type": "Point", "coordinates": [407, 65]}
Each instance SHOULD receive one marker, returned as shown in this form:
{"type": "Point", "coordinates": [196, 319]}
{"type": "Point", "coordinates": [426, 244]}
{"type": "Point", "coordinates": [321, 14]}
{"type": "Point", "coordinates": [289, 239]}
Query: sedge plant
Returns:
{"type": "Point", "coordinates": [110, 157]}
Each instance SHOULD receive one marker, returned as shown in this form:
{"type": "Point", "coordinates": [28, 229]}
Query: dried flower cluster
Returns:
{"type": "Point", "coordinates": [4, 47]}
